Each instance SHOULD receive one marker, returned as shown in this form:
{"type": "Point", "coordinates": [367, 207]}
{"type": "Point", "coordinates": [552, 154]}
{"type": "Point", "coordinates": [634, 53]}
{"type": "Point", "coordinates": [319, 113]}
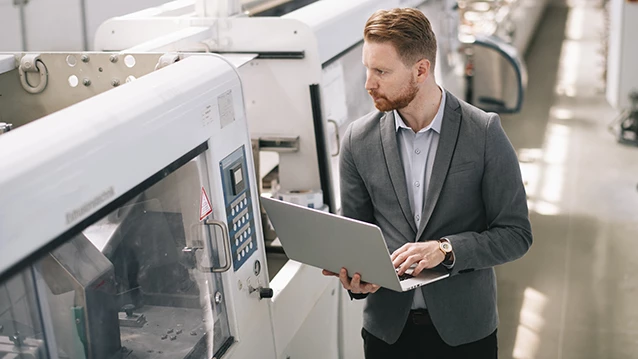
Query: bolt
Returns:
{"type": "Point", "coordinates": [193, 333]}
{"type": "Point", "coordinates": [179, 331]}
{"type": "Point", "coordinates": [85, 58]}
{"type": "Point", "coordinates": [164, 336]}
{"type": "Point", "coordinates": [27, 65]}
{"type": "Point", "coordinates": [169, 331]}
{"type": "Point", "coordinates": [149, 351]}
{"type": "Point", "coordinates": [173, 337]}
{"type": "Point", "coordinates": [86, 82]}
{"type": "Point", "coordinates": [113, 58]}
{"type": "Point", "coordinates": [115, 82]}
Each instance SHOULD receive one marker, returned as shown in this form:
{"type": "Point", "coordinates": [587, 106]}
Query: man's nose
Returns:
{"type": "Point", "coordinates": [371, 83]}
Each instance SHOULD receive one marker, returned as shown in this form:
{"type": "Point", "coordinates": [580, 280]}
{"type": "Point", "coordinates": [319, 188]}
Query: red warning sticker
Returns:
{"type": "Point", "coordinates": [204, 205]}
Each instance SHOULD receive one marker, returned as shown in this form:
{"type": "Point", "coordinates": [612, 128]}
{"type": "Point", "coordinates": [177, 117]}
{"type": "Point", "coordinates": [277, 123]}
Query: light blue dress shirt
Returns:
{"type": "Point", "coordinates": [417, 152]}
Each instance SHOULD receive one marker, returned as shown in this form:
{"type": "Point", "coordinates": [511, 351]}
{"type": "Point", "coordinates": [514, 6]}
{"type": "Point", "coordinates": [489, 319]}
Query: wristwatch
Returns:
{"type": "Point", "coordinates": [446, 247]}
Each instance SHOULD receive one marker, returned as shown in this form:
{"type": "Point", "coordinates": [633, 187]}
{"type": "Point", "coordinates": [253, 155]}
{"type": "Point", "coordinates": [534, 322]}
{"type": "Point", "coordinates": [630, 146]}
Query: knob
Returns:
{"type": "Point", "coordinates": [265, 292]}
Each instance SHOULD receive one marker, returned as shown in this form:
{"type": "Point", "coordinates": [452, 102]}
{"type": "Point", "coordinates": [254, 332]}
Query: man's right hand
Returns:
{"type": "Point", "coordinates": [354, 284]}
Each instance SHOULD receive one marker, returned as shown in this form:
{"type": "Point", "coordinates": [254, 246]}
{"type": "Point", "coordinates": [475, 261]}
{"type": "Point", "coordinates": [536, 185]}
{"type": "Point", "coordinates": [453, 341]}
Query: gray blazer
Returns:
{"type": "Point", "coordinates": [476, 199]}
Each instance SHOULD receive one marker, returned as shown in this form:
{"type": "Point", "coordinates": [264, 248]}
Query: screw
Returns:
{"type": "Point", "coordinates": [179, 331]}
{"type": "Point", "coordinates": [193, 333]}
{"type": "Point", "coordinates": [85, 58]}
{"type": "Point", "coordinates": [173, 337]}
{"type": "Point", "coordinates": [27, 65]}
{"type": "Point", "coordinates": [164, 336]}
{"type": "Point", "coordinates": [113, 58]}
{"type": "Point", "coordinates": [86, 82]}
{"type": "Point", "coordinates": [169, 331]}
{"type": "Point", "coordinates": [115, 82]}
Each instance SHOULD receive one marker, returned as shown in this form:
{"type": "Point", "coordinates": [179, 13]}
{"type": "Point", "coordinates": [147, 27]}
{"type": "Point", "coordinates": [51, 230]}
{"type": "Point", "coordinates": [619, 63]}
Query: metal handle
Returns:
{"type": "Point", "coordinates": [337, 134]}
{"type": "Point", "coordinates": [229, 259]}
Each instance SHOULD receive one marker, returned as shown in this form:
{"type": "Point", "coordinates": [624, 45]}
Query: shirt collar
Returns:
{"type": "Point", "coordinates": [434, 125]}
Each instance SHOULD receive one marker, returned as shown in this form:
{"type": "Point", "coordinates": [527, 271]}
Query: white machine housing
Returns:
{"type": "Point", "coordinates": [65, 167]}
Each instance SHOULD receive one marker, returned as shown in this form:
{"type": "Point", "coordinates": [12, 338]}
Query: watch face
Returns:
{"type": "Point", "coordinates": [446, 247]}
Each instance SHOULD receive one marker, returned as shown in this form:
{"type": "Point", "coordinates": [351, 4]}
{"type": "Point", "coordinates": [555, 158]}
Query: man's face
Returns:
{"type": "Point", "coordinates": [391, 84]}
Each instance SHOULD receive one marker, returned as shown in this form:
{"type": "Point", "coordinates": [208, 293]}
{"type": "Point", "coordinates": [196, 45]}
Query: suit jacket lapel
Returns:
{"type": "Point", "coordinates": [447, 143]}
{"type": "Point", "coordinates": [395, 167]}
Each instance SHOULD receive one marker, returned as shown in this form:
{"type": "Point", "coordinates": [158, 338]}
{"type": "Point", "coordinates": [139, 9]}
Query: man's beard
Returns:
{"type": "Point", "coordinates": [407, 94]}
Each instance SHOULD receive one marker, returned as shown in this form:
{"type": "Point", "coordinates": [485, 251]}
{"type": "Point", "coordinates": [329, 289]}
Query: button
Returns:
{"type": "Point", "coordinates": [235, 227]}
{"type": "Point", "coordinates": [243, 252]}
{"type": "Point", "coordinates": [417, 184]}
{"type": "Point", "coordinates": [237, 242]}
{"type": "Point", "coordinates": [245, 234]}
{"type": "Point", "coordinates": [243, 220]}
{"type": "Point", "coordinates": [417, 151]}
{"type": "Point", "coordinates": [237, 208]}
{"type": "Point", "coordinates": [251, 245]}
{"type": "Point", "coordinates": [418, 217]}
{"type": "Point", "coordinates": [245, 201]}
{"type": "Point", "coordinates": [249, 230]}
{"type": "Point", "coordinates": [232, 212]}
{"type": "Point", "coordinates": [238, 256]}
{"type": "Point", "coordinates": [247, 217]}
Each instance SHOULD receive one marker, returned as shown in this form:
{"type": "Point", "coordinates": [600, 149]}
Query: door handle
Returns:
{"type": "Point", "coordinates": [337, 135]}
{"type": "Point", "coordinates": [222, 225]}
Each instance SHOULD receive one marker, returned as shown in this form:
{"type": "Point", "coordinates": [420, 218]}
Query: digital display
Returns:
{"type": "Point", "coordinates": [237, 179]}
{"type": "Point", "coordinates": [238, 176]}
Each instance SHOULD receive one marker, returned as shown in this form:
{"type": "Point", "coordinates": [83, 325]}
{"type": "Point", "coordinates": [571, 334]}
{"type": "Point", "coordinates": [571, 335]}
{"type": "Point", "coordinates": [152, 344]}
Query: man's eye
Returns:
{"type": "Point", "coordinates": [380, 72]}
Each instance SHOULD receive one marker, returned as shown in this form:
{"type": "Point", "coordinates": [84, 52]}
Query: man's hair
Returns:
{"type": "Point", "coordinates": [407, 29]}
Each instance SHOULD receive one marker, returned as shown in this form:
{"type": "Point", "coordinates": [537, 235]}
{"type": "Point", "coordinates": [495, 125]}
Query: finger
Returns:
{"type": "Point", "coordinates": [408, 263]}
{"type": "Point", "coordinates": [374, 288]}
{"type": "Point", "coordinates": [343, 277]}
{"type": "Point", "coordinates": [329, 273]}
{"type": "Point", "coordinates": [356, 282]}
{"type": "Point", "coordinates": [420, 266]}
{"type": "Point", "coordinates": [400, 259]}
{"type": "Point", "coordinates": [402, 249]}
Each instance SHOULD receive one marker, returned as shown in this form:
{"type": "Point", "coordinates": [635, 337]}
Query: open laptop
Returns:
{"type": "Point", "coordinates": [332, 242]}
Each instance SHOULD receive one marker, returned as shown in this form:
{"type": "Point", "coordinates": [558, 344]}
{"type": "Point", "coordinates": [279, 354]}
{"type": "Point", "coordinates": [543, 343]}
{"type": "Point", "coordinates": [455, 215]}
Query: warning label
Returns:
{"type": "Point", "coordinates": [204, 205]}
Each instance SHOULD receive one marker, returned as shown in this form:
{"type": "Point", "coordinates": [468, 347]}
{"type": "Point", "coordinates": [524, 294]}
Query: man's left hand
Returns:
{"type": "Point", "coordinates": [425, 254]}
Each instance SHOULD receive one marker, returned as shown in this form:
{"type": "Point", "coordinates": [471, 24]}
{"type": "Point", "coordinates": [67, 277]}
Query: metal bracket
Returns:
{"type": "Point", "coordinates": [32, 63]}
{"type": "Point", "coordinates": [20, 2]}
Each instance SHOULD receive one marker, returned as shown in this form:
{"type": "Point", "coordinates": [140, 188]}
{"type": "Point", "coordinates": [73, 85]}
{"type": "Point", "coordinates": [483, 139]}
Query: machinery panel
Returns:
{"type": "Point", "coordinates": [238, 200]}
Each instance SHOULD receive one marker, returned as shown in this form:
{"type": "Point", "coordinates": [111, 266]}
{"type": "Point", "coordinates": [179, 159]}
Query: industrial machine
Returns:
{"type": "Point", "coordinates": [303, 85]}
{"type": "Point", "coordinates": [496, 35]}
{"type": "Point", "coordinates": [129, 215]}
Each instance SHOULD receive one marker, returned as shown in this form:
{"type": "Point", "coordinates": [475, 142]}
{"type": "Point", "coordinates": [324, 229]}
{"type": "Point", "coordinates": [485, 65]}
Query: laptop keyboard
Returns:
{"type": "Point", "coordinates": [405, 276]}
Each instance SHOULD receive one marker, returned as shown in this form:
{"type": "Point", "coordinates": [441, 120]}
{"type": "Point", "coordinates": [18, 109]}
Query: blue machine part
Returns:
{"type": "Point", "coordinates": [238, 200]}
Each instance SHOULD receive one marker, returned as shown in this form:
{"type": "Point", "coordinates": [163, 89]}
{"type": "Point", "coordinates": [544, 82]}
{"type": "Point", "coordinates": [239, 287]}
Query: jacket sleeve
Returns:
{"type": "Point", "coordinates": [509, 234]}
{"type": "Point", "coordinates": [355, 199]}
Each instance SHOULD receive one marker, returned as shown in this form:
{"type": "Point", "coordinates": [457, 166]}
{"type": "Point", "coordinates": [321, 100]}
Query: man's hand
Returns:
{"type": "Point", "coordinates": [355, 285]}
{"type": "Point", "coordinates": [425, 254]}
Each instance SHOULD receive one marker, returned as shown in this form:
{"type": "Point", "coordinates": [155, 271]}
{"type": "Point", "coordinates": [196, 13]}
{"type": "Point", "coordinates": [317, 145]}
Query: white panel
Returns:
{"type": "Point", "coordinates": [614, 51]}
{"type": "Point", "coordinates": [10, 34]}
{"type": "Point", "coordinates": [98, 11]}
{"type": "Point", "coordinates": [623, 53]}
{"type": "Point", "coordinates": [54, 25]}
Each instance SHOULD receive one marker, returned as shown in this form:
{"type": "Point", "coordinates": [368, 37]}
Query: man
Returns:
{"type": "Point", "coordinates": [442, 181]}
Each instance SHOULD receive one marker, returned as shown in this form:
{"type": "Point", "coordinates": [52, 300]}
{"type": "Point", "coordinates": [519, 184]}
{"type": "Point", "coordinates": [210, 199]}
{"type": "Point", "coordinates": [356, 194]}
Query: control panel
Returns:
{"type": "Point", "coordinates": [238, 200]}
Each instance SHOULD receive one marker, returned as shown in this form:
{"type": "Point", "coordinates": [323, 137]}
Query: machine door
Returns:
{"type": "Point", "coordinates": [141, 280]}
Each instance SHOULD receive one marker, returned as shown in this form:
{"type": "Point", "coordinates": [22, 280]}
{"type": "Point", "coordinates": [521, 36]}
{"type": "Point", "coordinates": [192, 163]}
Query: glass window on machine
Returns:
{"type": "Point", "coordinates": [138, 283]}
{"type": "Point", "coordinates": [22, 332]}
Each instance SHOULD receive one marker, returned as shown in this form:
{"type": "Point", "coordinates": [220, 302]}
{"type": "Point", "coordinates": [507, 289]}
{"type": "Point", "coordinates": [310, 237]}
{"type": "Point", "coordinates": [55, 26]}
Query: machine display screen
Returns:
{"type": "Point", "coordinates": [237, 175]}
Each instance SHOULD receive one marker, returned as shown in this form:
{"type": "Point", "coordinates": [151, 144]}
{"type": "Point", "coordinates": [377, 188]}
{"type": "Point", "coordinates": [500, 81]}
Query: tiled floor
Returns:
{"type": "Point", "coordinates": [575, 294]}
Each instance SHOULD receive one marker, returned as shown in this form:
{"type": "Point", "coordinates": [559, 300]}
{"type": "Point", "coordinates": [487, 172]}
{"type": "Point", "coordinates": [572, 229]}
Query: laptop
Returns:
{"type": "Point", "coordinates": [327, 241]}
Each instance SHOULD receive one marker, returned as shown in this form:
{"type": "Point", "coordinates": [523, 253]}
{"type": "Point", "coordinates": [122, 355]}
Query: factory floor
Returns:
{"type": "Point", "coordinates": [574, 295]}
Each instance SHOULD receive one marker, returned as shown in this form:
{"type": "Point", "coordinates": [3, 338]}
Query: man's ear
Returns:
{"type": "Point", "coordinates": [423, 67]}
